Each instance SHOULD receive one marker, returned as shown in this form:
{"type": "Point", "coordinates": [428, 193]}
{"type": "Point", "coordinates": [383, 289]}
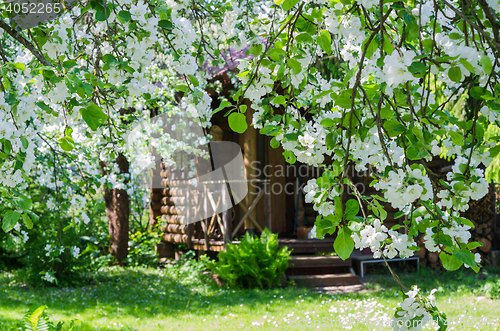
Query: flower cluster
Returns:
{"type": "Point", "coordinates": [403, 188]}
{"type": "Point", "coordinates": [415, 311]}
{"type": "Point", "coordinates": [383, 241]}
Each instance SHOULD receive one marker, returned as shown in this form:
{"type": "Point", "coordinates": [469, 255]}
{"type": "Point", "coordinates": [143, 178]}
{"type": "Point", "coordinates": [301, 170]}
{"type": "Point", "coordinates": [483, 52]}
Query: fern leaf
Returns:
{"type": "Point", "coordinates": [34, 318]}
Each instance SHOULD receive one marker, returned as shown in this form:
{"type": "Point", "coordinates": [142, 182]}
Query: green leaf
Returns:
{"type": "Point", "coordinates": [330, 141]}
{"type": "Point", "coordinates": [398, 215]}
{"type": "Point", "coordinates": [450, 263]}
{"type": "Point", "coordinates": [127, 16]}
{"type": "Point", "coordinates": [325, 41]}
{"type": "Point", "coordinates": [278, 2]}
{"type": "Point", "coordinates": [494, 151]}
{"type": "Point", "coordinates": [67, 143]}
{"type": "Point", "coordinates": [110, 60]}
{"type": "Point", "coordinates": [372, 47]}
{"type": "Point", "coordinates": [351, 209]}
{"type": "Point", "coordinates": [465, 256]}
{"type": "Point", "coordinates": [327, 122]}
{"type": "Point", "coordinates": [394, 128]}
{"type": "Point", "coordinates": [344, 244]}
{"type": "Point", "coordinates": [467, 65]}
{"type": "Point", "coordinates": [457, 138]}
{"type": "Point", "coordinates": [288, 4]}
{"type": "Point", "coordinates": [294, 65]}
{"type": "Point", "coordinates": [27, 221]}
{"type": "Point", "coordinates": [412, 27]}
{"type": "Point", "coordinates": [101, 14]}
{"type": "Point", "coordinates": [274, 143]}
{"type": "Point", "coordinates": [166, 24]}
{"type": "Point", "coordinates": [255, 49]}
{"type": "Point", "coordinates": [486, 64]}
{"type": "Point", "coordinates": [181, 87]}
{"type": "Point", "coordinates": [323, 182]}
{"type": "Point", "coordinates": [10, 218]}
{"type": "Point", "coordinates": [194, 80]}
{"type": "Point", "coordinates": [455, 74]}
{"type": "Point", "coordinates": [417, 69]}
{"type": "Point", "coordinates": [415, 153]}
{"type": "Point", "coordinates": [477, 92]}
{"type": "Point", "coordinates": [279, 100]}
{"type": "Point", "coordinates": [93, 116]}
{"type": "Point", "coordinates": [474, 244]}
{"type": "Point", "coordinates": [69, 64]}
{"type": "Point", "coordinates": [304, 37]}
{"type": "Point", "coordinates": [237, 122]}
{"type": "Point", "coordinates": [289, 157]}
{"type": "Point", "coordinates": [344, 100]}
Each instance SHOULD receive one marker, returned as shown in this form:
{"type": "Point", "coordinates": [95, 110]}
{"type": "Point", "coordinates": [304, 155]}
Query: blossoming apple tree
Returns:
{"type": "Point", "coordinates": [404, 64]}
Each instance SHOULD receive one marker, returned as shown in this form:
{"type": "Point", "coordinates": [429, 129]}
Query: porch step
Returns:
{"type": "Point", "coordinates": [326, 280]}
{"type": "Point", "coordinates": [316, 261]}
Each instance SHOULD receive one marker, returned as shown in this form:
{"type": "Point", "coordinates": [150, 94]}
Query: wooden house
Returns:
{"type": "Point", "coordinates": [275, 200]}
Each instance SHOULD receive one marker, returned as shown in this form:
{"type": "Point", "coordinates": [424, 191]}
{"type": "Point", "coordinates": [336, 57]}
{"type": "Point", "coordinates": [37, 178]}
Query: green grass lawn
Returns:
{"type": "Point", "coordinates": [177, 299]}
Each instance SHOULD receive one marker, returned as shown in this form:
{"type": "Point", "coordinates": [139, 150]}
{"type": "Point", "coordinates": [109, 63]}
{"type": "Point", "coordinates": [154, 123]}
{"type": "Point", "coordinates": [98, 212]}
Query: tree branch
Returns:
{"type": "Point", "coordinates": [26, 43]}
{"type": "Point", "coordinates": [473, 25]}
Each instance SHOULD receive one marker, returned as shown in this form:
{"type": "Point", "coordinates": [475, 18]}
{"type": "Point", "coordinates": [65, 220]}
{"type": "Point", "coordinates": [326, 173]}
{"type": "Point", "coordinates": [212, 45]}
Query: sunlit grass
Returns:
{"type": "Point", "coordinates": [174, 299]}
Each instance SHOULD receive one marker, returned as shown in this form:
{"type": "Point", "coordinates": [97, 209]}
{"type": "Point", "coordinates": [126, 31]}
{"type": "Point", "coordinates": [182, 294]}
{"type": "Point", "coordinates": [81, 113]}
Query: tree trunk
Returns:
{"type": "Point", "coordinates": [118, 212]}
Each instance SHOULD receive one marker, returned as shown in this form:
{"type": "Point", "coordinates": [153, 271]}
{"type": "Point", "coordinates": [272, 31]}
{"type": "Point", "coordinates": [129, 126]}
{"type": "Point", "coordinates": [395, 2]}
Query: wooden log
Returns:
{"type": "Point", "coordinates": [165, 250]}
{"type": "Point", "coordinates": [178, 191]}
{"type": "Point", "coordinates": [155, 205]}
{"type": "Point", "coordinates": [155, 197]}
{"type": "Point", "coordinates": [173, 201]}
{"type": "Point", "coordinates": [486, 245]}
{"type": "Point", "coordinates": [433, 257]}
{"type": "Point", "coordinates": [495, 258]}
{"type": "Point", "coordinates": [422, 252]}
{"type": "Point", "coordinates": [176, 228]}
{"type": "Point", "coordinates": [175, 238]}
{"type": "Point", "coordinates": [173, 219]}
{"type": "Point", "coordinates": [175, 210]}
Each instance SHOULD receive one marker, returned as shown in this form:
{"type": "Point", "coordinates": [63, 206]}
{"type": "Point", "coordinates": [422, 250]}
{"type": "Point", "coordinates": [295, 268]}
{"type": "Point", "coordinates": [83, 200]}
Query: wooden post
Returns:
{"type": "Point", "coordinates": [277, 188]}
{"type": "Point", "coordinates": [249, 146]}
{"type": "Point", "coordinates": [226, 217]}
{"type": "Point", "coordinates": [267, 206]}
{"type": "Point", "coordinates": [205, 205]}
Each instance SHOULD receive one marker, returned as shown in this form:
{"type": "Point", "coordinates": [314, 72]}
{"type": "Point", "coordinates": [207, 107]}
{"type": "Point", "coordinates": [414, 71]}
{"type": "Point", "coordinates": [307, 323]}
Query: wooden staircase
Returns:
{"type": "Point", "coordinates": [321, 271]}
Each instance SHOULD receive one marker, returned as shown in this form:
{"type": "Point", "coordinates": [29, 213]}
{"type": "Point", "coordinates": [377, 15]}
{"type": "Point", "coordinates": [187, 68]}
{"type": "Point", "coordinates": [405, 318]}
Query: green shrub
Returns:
{"type": "Point", "coordinates": [255, 262]}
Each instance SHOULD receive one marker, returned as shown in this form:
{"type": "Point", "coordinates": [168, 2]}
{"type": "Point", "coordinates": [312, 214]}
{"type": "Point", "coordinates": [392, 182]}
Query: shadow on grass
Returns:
{"type": "Point", "coordinates": [427, 279]}
{"type": "Point", "coordinates": [140, 293]}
